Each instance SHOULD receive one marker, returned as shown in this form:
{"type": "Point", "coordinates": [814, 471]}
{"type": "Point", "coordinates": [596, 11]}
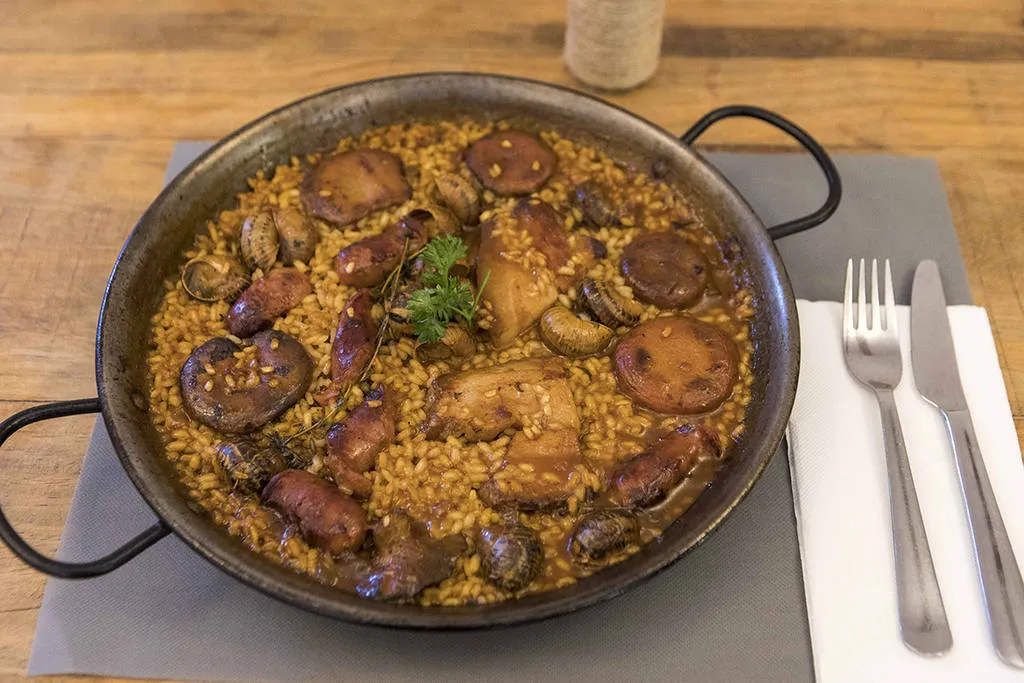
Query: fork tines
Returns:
{"type": "Point", "coordinates": [878, 322]}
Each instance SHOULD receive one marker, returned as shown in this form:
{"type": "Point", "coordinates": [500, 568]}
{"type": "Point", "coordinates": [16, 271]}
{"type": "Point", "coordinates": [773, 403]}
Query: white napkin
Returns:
{"type": "Point", "coordinates": [842, 504]}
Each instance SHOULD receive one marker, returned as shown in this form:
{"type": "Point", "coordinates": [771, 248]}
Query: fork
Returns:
{"type": "Point", "coordinates": [872, 350]}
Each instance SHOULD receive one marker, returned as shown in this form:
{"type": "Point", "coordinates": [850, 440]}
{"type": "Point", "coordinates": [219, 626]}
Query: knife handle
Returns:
{"type": "Point", "coordinates": [1001, 584]}
{"type": "Point", "coordinates": [923, 622]}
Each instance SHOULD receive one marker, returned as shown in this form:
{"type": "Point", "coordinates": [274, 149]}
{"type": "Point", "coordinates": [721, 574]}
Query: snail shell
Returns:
{"type": "Point", "coordinates": [259, 241]}
{"type": "Point", "coordinates": [436, 220]}
{"type": "Point", "coordinates": [457, 342]}
{"type": "Point", "coordinates": [600, 533]}
{"type": "Point", "coordinates": [510, 556]}
{"type": "Point", "coordinates": [567, 334]}
{"type": "Point", "coordinates": [594, 205]}
{"type": "Point", "coordinates": [461, 196]}
{"type": "Point", "coordinates": [248, 465]}
{"type": "Point", "coordinates": [609, 305]}
{"type": "Point", "coordinates": [212, 278]}
{"type": "Point", "coordinates": [296, 234]}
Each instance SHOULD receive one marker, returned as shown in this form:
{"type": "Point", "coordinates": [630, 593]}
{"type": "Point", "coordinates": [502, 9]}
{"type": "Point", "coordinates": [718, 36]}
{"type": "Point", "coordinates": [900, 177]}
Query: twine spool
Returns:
{"type": "Point", "coordinates": [613, 44]}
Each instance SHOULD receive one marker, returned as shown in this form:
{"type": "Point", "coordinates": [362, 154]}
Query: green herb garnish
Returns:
{"type": "Point", "coordinates": [445, 297]}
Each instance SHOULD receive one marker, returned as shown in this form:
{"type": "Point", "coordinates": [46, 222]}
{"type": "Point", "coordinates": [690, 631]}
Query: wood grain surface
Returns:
{"type": "Point", "coordinates": [94, 93]}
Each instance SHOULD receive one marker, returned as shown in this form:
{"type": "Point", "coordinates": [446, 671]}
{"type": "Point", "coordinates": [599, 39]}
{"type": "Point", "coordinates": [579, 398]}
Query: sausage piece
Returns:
{"type": "Point", "coordinates": [677, 365]}
{"type": "Point", "coordinates": [647, 478]}
{"type": "Point", "coordinates": [511, 162]}
{"type": "Point", "coordinates": [327, 518]}
{"type": "Point", "coordinates": [353, 443]}
{"type": "Point", "coordinates": [345, 187]}
{"type": "Point", "coordinates": [210, 398]}
{"type": "Point", "coordinates": [264, 300]}
{"type": "Point", "coordinates": [367, 262]}
{"type": "Point", "coordinates": [665, 270]}
{"type": "Point", "coordinates": [353, 343]}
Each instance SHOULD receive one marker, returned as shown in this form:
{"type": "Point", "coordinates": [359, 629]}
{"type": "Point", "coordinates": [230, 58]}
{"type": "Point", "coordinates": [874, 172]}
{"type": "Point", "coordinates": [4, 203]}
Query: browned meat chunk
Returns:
{"type": "Point", "coordinates": [345, 187]}
{"type": "Point", "coordinates": [408, 559]}
{"type": "Point", "coordinates": [511, 162]}
{"type": "Point", "coordinates": [647, 478]}
{"type": "Point", "coordinates": [480, 404]}
{"type": "Point", "coordinates": [551, 456]}
{"type": "Point", "coordinates": [353, 343]}
{"type": "Point", "coordinates": [232, 394]}
{"type": "Point", "coordinates": [353, 443]}
{"type": "Point", "coordinates": [677, 366]}
{"type": "Point", "coordinates": [264, 300]}
{"type": "Point", "coordinates": [327, 518]}
{"type": "Point", "coordinates": [524, 280]}
{"type": "Point", "coordinates": [366, 263]}
{"type": "Point", "coordinates": [665, 270]}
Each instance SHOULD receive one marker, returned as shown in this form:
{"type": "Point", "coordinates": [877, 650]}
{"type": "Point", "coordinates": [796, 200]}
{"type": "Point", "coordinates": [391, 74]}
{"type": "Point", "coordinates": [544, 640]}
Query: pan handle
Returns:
{"type": "Point", "coordinates": [835, 186]}
{"type": "Point", "coordinates": [32, 557]}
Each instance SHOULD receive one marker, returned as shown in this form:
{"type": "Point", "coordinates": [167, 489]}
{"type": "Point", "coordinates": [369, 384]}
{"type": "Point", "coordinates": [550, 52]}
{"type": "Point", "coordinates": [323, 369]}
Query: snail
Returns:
{"type": "Point", "coordinates": [457, 342]}
{"type": "Point", "coordinates": [510, 556]}
{"type": "Point", "coordinates": [259, 241]}
{"type": "Point", "coordinates": [568, 335]}
{"type": "Point", "coordinates": [600, 533]}
{"type": "Point", "coordinates": [212, 278]}
{"type": "Point", "coordinates": [594, 205]}
{"type": "Point", "coordinates": [248, 465]}
{"type": "Point", "coordinates": [461, 196]}
{"type": "Point", "coordinates": [608, 305]}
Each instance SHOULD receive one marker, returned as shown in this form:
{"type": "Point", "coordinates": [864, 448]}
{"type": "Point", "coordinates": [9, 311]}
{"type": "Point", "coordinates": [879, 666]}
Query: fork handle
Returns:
{"type": "Point", "coordinates": [1001, 583]}
{"type": "Point", "coordinates": [922, 613]}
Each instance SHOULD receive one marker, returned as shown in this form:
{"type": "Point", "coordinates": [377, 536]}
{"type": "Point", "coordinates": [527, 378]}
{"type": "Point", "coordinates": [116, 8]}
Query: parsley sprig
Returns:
{"type": "Point", "coordinates": [445, 297]}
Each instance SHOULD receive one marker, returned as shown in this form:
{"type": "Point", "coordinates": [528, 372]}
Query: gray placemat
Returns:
{"type": "Point", "coordinates": [731, 611]}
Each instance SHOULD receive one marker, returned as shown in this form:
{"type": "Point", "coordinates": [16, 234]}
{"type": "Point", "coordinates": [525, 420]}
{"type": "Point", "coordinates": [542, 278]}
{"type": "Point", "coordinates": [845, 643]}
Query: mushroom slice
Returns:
{"type": "Point", "coordinates": [567, 334]}
{"type": "Point", "coordinates": [511, 162]}
{"type": "Point", "coordinates": [665, 270]}
{"type": "Point", "coordinates": [234, 399]}
{"type": "Point", "coordinates": [677, 366]}
{"type": "Point", "coordinates": [211, 277]}
{"type": "Point", "coordinates": [327, 518]}
{"type": "Point", "coordinates": [266, 299]}
{"type": "Point", "coordinates": [345, 187]}
{"type": "Point", "coordinates": [647, 478]}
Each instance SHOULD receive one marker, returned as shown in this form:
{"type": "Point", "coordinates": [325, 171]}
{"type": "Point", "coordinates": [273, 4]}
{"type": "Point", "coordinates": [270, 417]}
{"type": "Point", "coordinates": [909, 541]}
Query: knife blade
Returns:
{"type": "Point", "coordinates": [931, 341]}
{"type": "Point", "coordinates": [938, 380]}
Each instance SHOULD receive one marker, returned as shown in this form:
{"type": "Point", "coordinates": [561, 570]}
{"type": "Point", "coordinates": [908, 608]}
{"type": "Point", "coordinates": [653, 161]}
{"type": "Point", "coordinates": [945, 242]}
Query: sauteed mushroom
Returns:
{"type": "Point", "coordinates": [232, 394]}
{"type": "Point", "coordinates": [677, 366]}
{"type": "Point", "coordinates": [567, 334]}
{"type": "Point", "coordinates": [345, 187]}
{"type": "Point", "coordinates": [271, 296]}
{"type": "Point", "coordinates": [326, 517]}
{"type": "Point", "coordinates": [511, 162]}
{"type": "Point", "coordinates": [211, 277]}
{"type": "Point", "coordinates": [665, 270]}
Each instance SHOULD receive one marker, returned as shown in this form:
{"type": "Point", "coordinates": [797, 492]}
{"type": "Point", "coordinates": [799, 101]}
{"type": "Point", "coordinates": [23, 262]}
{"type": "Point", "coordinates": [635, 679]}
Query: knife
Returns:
{"type": "Point", "coordinates": [938, 380]}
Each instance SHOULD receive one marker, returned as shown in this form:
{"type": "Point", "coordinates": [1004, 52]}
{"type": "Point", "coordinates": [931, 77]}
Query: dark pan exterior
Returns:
{"type": "Point", "coordinates": [210, 184]}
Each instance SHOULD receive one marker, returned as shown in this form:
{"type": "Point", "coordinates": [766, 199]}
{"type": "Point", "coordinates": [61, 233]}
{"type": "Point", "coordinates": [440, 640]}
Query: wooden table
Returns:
{"type": "Point", "coordinates": [94, 93]}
